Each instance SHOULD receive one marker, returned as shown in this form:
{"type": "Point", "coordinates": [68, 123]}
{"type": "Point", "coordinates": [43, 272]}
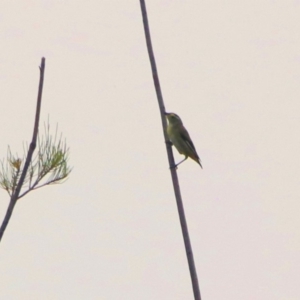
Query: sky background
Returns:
{"type": "Point", "coordinates": [231, 70]}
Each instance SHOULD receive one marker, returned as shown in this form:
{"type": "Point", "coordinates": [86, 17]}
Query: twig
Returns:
{"type": "Point", "coordinates": [15, 195]}
{"type": "Point", "coordinates": [184, 228]}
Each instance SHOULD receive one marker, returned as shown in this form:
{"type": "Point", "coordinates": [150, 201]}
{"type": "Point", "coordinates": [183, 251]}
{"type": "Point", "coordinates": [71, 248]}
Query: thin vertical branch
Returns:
{"type": "Point", "coordinates": [15, 195]}
{"type": "Point", "coordinates": [184, 228]}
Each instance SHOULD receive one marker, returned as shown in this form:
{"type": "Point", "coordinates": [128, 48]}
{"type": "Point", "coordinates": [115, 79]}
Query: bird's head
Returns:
{"type": "Point", "coordinates": [173, 118]}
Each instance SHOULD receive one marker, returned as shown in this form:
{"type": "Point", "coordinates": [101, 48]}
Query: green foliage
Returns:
{"type": "Point", "coordinates": [48, 166]}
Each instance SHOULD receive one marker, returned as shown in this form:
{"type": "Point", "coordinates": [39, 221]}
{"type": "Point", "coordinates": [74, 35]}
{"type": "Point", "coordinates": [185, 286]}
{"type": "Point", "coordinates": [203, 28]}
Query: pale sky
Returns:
{"type": "Point", "coordinates": [231, 70]}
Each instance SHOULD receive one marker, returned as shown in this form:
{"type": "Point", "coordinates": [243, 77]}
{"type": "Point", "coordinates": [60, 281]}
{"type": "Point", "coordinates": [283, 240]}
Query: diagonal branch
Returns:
{"type": "Point", "coordinates": [15, 195]}
{"type": "Point", "coordinates": [184, 228]}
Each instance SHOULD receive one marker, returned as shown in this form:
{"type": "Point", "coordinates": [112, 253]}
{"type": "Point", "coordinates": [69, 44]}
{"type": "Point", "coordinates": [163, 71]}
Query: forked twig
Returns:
{"type": "Point", "coordinates": [16, 192]}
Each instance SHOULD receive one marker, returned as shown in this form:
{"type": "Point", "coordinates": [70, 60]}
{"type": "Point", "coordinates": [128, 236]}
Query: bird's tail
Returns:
{"type": "Point", "coordinates": [197, 160]}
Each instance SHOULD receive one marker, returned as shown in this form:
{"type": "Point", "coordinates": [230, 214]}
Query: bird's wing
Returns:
{"type": "Point", "coordinates": [193, 154]}
{"type": "Point", "coordinates": [186, 137]}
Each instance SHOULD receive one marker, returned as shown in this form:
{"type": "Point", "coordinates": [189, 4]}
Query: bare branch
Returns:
{"type": "Point", "coordinates": [184, 228]}
{"type": "Point", "coordinates": [16, 192]}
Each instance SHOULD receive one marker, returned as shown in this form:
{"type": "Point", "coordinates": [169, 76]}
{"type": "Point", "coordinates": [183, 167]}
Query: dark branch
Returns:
{"type": "Point", "coordinates": [15, 195]}
{"type": "Point", "coordinates": [185, 233]}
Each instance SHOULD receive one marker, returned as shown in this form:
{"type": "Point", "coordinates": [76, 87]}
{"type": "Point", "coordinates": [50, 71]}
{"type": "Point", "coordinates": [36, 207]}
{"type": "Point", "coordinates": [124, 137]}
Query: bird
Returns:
{"type": "Point", "coordinates": [180, 138]}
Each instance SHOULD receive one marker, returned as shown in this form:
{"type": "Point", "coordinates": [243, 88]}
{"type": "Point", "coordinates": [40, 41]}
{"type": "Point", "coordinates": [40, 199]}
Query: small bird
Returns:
{"type": "Point", "coordinates": [180, 138]}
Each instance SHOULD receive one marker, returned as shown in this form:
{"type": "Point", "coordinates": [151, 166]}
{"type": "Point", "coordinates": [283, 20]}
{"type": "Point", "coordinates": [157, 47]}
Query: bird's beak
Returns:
{"type": "Point", "coordinates": [166, 113]}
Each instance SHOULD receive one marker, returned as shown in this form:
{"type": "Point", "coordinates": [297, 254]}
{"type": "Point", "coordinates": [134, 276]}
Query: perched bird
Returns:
{"type": "Point", "coordinates": [180, 138]}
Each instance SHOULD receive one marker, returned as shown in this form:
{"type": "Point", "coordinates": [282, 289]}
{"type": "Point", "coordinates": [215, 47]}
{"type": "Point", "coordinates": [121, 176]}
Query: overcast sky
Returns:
{"type": "Point", "coordinates": [231, 70]}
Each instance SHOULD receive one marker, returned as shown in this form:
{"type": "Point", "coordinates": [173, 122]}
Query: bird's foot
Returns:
{"type": "Point", "coordinates": [173, 167]}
